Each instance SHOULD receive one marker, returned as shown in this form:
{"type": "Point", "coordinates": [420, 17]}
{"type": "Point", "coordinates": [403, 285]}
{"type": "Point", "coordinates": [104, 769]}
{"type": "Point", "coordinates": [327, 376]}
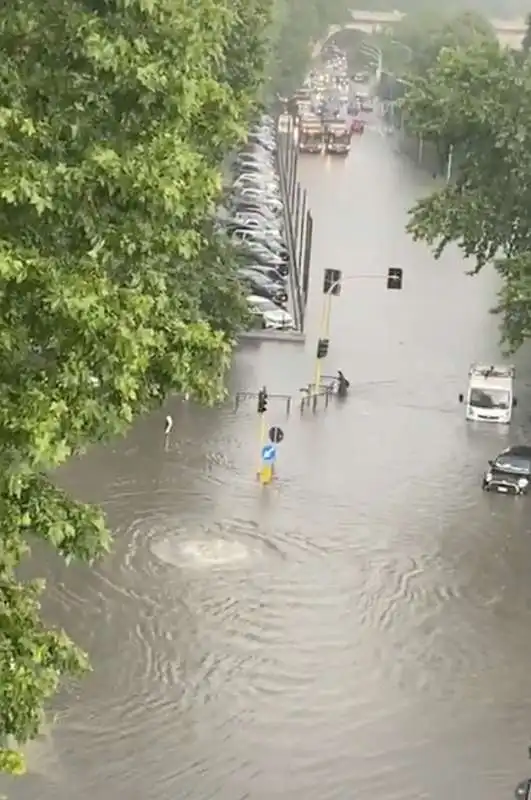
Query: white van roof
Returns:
{"type": "Point", "coordinates": [486, 371]}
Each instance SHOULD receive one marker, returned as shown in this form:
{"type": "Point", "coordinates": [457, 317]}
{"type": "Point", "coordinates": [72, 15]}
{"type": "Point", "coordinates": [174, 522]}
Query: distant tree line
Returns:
{"type": "Point", "coordinates": [474, 96]}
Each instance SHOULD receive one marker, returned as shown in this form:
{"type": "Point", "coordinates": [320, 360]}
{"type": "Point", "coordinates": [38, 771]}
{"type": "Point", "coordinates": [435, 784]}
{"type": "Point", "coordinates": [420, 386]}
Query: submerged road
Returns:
{"type": "Point", "coordinates": [358, 630]}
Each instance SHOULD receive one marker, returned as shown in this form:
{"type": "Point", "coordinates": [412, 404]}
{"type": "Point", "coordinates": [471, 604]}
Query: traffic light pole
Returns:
{"type": "Point", "coordinates": [241, 396]}
{"type": "Point", "coordinates": [393, 276]}
{"type": "Point", "coordinates": [266, 452]}
{"type": "Point", "coordinates": [324, 332]}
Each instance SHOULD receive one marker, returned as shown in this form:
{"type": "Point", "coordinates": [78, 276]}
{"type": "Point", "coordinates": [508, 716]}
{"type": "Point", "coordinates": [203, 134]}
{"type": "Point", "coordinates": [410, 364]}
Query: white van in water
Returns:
{"type": "Point", "coordinates": [490, 396]}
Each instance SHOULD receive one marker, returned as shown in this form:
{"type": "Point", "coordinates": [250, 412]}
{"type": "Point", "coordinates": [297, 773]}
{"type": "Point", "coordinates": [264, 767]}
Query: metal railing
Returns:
{"type": "Point", "coordinates": [297, 219]}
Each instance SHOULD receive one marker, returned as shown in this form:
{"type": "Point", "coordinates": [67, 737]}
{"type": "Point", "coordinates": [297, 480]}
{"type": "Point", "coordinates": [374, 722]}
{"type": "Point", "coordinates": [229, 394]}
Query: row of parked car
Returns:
{"type": "Point", "coordinates": [253, 217]}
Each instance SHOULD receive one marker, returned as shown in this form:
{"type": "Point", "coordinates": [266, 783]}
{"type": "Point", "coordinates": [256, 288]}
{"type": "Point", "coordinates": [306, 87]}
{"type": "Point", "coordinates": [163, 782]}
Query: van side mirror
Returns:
{"type": "Point", "coordinates": [490, 462]}
{"type": "Point", "coordinates": [515, 402]}
{"type": "Point", "coordinates": [461, 398]}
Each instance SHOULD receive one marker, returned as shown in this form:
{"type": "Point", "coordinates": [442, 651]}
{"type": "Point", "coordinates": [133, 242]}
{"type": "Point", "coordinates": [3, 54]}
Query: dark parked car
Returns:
{"type": "Point", "coordinates": [257, 254]}
{"type": "Point", "coordinates": [268, 249]}
{"type": "Point", "coordinates": [509, 472]}
{"type": "Point", "coordinates": [258, 263]}
{"type": "Point", "coordinates": [263, 287]}
{"type": "Point", "coordinates": [270, 273]}
{"type": "Point", "coordinates": [257, 238]}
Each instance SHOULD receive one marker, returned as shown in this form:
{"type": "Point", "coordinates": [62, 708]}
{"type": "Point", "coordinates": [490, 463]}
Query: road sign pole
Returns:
{"type": "Point", "coordinates": [269, 455]}
{"type": "Point", "coordinates": [261, 443]}
{"type": "Point", "coordinates": [266, 474]}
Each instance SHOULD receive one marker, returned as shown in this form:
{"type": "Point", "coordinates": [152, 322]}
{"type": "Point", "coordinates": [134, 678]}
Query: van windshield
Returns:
{"type": "Point", "coordinates": [490, 398]}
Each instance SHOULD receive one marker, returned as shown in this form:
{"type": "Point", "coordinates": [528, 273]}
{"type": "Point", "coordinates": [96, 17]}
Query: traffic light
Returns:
{"type": "Point", "coordinates": [262, 401]}
{"type": "Point", "coordinates": [322, 348]}
{"type": "Point", "coordinates": [394, 278]}
{"type": "Point", "coordinates": [332, 278]}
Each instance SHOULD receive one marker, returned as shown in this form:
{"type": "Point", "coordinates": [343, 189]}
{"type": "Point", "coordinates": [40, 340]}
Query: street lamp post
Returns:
{"type": "Point", "coordinates": [409, 49]}
{"type": "Point", "coordinates": [372, 50]}
{"type": "Point", "coordinates": [376, 52]}
{"type": "Point", "coordinates": [450, 163]}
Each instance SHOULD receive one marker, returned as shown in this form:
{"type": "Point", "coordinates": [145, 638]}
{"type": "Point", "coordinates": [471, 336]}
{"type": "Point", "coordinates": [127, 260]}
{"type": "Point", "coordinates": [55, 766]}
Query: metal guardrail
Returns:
{"type": "Point", "coordinates": [285, 169]}
{"type": "Point", "coordinates": [297, 219]}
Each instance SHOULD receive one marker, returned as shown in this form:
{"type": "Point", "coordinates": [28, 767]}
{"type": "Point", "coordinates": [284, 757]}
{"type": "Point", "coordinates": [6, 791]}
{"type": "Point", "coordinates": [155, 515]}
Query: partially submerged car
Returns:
{"type": "Point", "coordinates": [509, 472]}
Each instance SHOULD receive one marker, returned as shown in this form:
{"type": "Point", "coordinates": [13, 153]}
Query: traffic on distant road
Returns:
{"type": "Point", "coordinates": [331, 106]}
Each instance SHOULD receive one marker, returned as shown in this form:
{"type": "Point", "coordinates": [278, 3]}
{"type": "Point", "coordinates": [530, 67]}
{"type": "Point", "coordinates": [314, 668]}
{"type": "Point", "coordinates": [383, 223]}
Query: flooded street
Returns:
{"type": "Point", "coordinates": [360, 629]}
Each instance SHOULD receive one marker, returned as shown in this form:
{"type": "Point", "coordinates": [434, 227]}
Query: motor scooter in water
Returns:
{"type": "Point", "coordinates": [342, 385]}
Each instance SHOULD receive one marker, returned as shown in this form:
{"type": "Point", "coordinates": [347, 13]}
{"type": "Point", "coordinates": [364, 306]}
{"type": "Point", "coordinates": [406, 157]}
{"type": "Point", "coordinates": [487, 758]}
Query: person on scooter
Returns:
{"type": "Point", "coordinates": [343, 384]}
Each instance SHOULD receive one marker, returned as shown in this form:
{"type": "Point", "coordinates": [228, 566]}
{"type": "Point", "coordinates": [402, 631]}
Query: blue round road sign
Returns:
{"type": "Point", "coordinates": [269, 453]}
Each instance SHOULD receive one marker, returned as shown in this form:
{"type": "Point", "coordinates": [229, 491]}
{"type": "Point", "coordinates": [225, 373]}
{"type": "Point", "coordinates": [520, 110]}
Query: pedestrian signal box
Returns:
{"type": "Point", "coordinates": [322, 348]}
{"type": "Point", "coordinates": [332, 282]}
{"type": "Point", "coordinates": [394, 278]}
{"type": "Point", "coordinates": [262, 401]}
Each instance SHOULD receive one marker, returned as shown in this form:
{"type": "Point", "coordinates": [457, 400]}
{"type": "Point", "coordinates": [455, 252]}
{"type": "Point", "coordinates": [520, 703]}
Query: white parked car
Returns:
{"type": "Point", "coordinates": [273, 317]}
{"type": "Point", "coordinates": [258, 172]}
{"type": "Point", "coordinates": [257, 181]}
{"type": "Point", "coordinates": [261, 196]}
{"type": "Point", "coordinates": [256, 224]}
{"type": "Point", "coordinates": [256, 161]}
{"type": "Point", "coordinates": [257, 237]}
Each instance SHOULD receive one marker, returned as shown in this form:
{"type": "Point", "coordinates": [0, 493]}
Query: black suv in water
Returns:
{"type": "Point", "coordinates": [510, 472]}
{"type": "Point", "coordinates": [523, 790]}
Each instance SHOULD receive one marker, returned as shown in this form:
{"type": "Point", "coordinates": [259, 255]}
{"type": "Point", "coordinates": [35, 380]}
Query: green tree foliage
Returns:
{"type": "Point", "coordinates": [526, 43]}
{"type": "Point", "coordinates": [114, 117]}
{"type": "Point", "coordinates": [413, 47]}
{"type": "Point", "coordinates": [478, 99]}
